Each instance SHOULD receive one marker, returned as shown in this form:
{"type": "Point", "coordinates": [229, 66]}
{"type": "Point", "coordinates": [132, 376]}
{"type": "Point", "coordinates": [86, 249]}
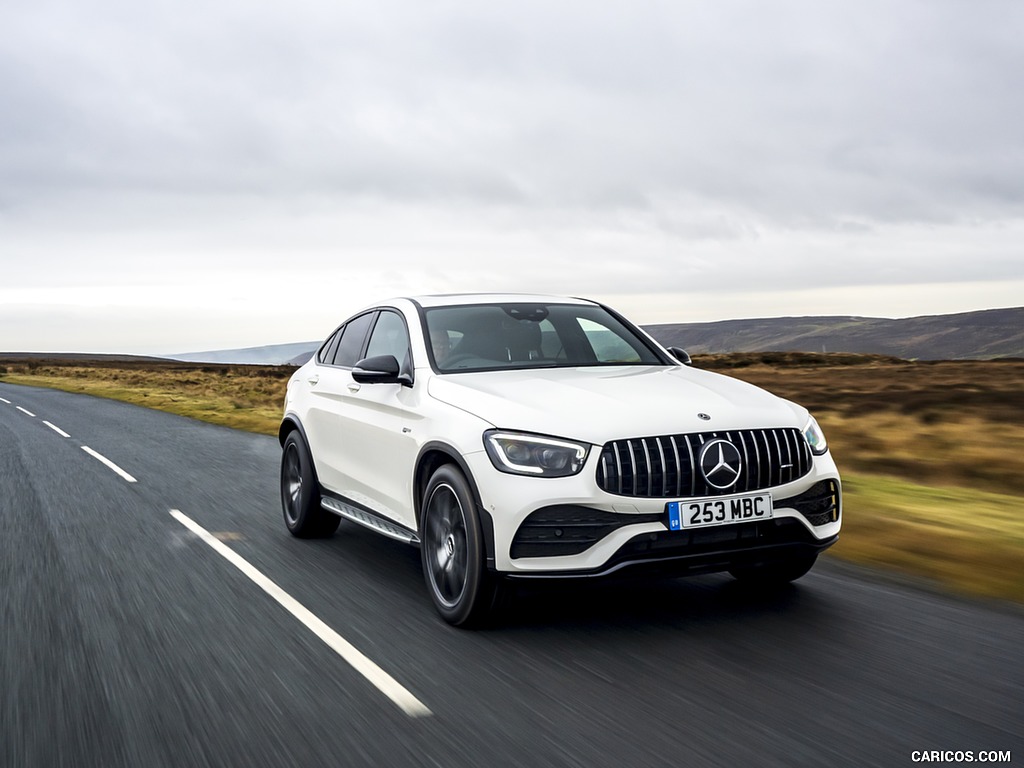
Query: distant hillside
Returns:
{"type": "Point", "coordinates": [981, 335]}
{"type": "Point", "coordinates": [272, 354]}
{"type": "Point", "coordinates": [304, 357]}
{"type": "Point", "coordinates": [76, 357]}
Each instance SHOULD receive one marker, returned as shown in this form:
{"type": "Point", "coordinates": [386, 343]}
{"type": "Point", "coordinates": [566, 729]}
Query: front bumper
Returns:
{"type": "Point", "coordinates": [708, 550]}
{"type": "Point", "coordinates": [611, 533]}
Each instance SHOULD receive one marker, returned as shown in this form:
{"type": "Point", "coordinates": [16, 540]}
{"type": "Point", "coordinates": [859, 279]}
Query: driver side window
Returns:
{"type": "Point", "coordinates": [608, 346]}
{"type": "Point", "coordinates": [390, 337]}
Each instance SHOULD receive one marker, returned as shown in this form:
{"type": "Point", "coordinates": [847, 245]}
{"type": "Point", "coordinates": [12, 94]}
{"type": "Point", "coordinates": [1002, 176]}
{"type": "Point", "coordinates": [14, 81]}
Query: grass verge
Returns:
{"type": "Point", "coordinates": [238, 399]}
{"type": "Point", "coordinates": [968, 540]}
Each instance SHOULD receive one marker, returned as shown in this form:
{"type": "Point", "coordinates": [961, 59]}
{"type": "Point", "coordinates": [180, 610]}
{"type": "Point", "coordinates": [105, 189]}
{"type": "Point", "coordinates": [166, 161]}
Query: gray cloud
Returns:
{"type": "Point", "coordinates": [610, 147]}
{"type": "Point", "coordinates": [799, 109]}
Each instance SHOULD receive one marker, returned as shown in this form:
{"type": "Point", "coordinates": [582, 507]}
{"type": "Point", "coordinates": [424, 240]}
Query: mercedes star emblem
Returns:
{"type": "Point", "coordinates": [721, 463]}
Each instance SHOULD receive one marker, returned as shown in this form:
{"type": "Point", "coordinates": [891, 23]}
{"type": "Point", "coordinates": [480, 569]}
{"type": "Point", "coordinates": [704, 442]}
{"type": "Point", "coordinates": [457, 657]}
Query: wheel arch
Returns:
{"type": "Point", "coordinates": [290, 423]}
{"type": "Point", "coordinates": [433, 455]}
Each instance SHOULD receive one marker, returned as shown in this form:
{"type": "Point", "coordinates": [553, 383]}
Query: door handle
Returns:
{"type": "Point", "coordinates": [313, 380]}
{"type": "Point", "coordinates": [353, 387]}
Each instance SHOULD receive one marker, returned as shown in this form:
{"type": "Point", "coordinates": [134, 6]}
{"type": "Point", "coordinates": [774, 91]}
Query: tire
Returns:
{"type": "Point", "coordinates": [452, 551]}
{"type": "Point", "coordinates": [300, 492]}
{"type": "Point", "coordinates": [774, 574]}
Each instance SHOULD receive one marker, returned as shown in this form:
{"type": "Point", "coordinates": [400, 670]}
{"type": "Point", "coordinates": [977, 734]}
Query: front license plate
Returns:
{"type": "Point", "coordinates": [720, 510]}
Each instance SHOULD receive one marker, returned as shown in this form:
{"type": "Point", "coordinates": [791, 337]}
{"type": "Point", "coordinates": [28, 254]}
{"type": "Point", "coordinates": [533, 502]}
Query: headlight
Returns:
{"type": "Point", "coordinates": [520, 454]}
{"type": "Point", "coordinates": [815, 437]}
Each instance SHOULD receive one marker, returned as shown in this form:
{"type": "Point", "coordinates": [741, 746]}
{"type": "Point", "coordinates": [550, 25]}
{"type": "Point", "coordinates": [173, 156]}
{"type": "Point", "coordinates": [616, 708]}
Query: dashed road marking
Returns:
{"type": "Point", "coordinates": [56, 429]}
{"type": "Point", "coordinates": [3, 400]}
{"type": "Point", "coordinates": [24, 411]}
{"type": "Point", "coordinates": [368, 669]}
{"type": "Point", "coordinates": [100, 457]}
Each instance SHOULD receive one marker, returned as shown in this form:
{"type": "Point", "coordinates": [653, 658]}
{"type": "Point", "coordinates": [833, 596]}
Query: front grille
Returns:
{"type": "Point", "coordinates": [669, 466]}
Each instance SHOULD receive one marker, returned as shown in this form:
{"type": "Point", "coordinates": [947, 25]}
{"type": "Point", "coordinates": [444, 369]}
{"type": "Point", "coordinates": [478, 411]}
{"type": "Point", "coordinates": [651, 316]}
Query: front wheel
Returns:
{"type": "Point", "coordinates": [452, 550]}
{"type": "Point", "coordinates": [774, 574]}
{"type": "Point", "coordinates": [300, 493]}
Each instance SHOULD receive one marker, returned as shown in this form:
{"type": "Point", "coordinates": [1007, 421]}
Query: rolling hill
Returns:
{"type": "Point", "coordinates": [981, 335]}
{"type": "Point", "coordinates": [271, 354]}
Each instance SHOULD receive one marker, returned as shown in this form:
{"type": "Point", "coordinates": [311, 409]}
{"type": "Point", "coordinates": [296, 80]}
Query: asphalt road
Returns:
{"type": "Point", "coordinates": [126, 639]}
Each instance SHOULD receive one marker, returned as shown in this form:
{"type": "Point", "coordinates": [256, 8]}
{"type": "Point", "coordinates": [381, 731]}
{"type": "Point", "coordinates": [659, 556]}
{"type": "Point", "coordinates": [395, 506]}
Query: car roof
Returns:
{"type": "Point", "coordinates": [451, 299]}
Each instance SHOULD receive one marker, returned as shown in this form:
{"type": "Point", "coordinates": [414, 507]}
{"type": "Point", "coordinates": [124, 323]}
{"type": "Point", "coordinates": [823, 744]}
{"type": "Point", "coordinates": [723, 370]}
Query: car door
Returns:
{"type": "Point", "coordinates": [362, 441]}
{"type": "Point", "coordinates": [379, 422]}
{"type": "Point", "coordinates": [329, 383]}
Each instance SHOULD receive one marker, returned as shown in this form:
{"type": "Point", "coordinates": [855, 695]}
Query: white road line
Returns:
{"type": "Point", "coordinates": [381, 679]}
{"type": "Point", "coordinates": [24, 411]}
{"type": "Point", "coordinates": [2, 400]}
{"type": "Point", "coordinates": [56, 429]}
{"type": "Point", "coordinates": [100, 457]}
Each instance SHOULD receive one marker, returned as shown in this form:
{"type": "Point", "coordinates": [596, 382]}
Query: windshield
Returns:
{"type": "Point", "coordinates": [506, 336]}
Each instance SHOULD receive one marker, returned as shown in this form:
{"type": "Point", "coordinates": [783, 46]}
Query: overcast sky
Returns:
{"type": "Point", "coordinates": [179, 176]}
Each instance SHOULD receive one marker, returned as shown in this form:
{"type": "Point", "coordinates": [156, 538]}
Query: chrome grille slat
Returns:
{"type": "Point", "coordinates": [794, 458]}
{"type": "Point", "coordinates": [644, 467]}
{"type": "Point", "coordinates": [757, 458]}
{"type": "Point", "coordinates": [746, 460]}
{"type": "Point", "coordinates": [778, 453]}
{"type": "Point", "coordinates": [633, 467]}
{"type": "Point", "coordinates": [679, 466]}
{"type": "Point", "coordinates": [650, 469]}
{"type": "Point", "coordinates": [618, 465]}
{"type": "Point", "coordinates": [664, 467]}
{"type": "Point", "coordinates": [766, 464]}
{"type": "Point", "coordinates": [693, 466]}
{"type": "Point", "coordinates": [784, 473]}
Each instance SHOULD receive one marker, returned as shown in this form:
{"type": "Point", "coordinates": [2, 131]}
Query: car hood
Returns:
{"type": "Point", "coordinates": [608, 403]}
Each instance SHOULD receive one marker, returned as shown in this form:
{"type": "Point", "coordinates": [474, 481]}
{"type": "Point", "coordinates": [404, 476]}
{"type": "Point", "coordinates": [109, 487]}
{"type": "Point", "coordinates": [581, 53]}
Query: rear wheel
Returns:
{"type": "Point", "coordinates": [300, 492]}
{"type": "Point", "coordinates": [773, 574]}
{"type": "Point", "coordinates": [452, 550]}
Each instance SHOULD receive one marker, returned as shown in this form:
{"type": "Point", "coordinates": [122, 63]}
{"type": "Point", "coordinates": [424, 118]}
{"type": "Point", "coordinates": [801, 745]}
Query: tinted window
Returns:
{"type": "Point", "coordinates": [327, 350]}
{"type": "Point", "coordinates": [352, 338]}
{"type": "Point", "coordinates": [489, 336]}
{"type": "Point", "coordinates": [390, 337]}
{"type": "Point", "coordinates": [608, 346]}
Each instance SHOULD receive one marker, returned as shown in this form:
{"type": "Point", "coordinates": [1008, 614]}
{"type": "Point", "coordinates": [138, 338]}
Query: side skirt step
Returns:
{"type": "Point", "coordinates": [369, 520]}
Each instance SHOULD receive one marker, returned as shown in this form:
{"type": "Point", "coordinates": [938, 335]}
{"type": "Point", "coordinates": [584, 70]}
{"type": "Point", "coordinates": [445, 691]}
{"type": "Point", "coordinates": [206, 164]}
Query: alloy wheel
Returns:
{"type": "Point", "coordinates": [447, 548]}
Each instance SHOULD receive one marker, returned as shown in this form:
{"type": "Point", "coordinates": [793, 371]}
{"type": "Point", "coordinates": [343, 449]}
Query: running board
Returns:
{"type": "Point", "coordinates": [369, 520]}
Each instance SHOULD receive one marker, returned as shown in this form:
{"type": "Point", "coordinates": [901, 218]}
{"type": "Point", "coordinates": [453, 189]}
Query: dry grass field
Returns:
{"type": "Point", "coordinates": [932, 453]}
{"type": "Point", "coordinates": [248, 397]}
{"type": "Point", "coordinates": [952, 423]}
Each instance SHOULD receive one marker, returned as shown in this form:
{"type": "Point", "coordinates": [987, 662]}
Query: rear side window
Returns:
{"type": "Point", "coordinates": [353, 334]}
{"type": "Point", "coordinates": [326, 352]}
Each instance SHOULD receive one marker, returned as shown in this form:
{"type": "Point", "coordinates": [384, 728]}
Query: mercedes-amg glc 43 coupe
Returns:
{"type": "Point", "coordinates": [522, 437]}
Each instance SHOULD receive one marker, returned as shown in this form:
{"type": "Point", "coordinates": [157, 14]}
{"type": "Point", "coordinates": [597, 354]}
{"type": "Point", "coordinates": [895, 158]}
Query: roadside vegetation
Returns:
{"type": "Point", "coordinates": [932, 453]}
{"type": "Point", "coordinates": [248, 397]}
{"type": "Point", "coordinates": [932, 456]}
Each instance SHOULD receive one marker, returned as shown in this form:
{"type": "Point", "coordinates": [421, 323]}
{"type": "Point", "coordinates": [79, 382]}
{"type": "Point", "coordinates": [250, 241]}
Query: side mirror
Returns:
{"type": "Point", "coordinates": [381, 369]}
{"type": "Point", "coordinates": [680, 354]}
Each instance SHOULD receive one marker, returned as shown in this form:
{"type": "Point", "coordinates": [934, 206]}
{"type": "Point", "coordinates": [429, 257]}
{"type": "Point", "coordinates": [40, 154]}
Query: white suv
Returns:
{"type": "Point", "coordinates": [513, 436]}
